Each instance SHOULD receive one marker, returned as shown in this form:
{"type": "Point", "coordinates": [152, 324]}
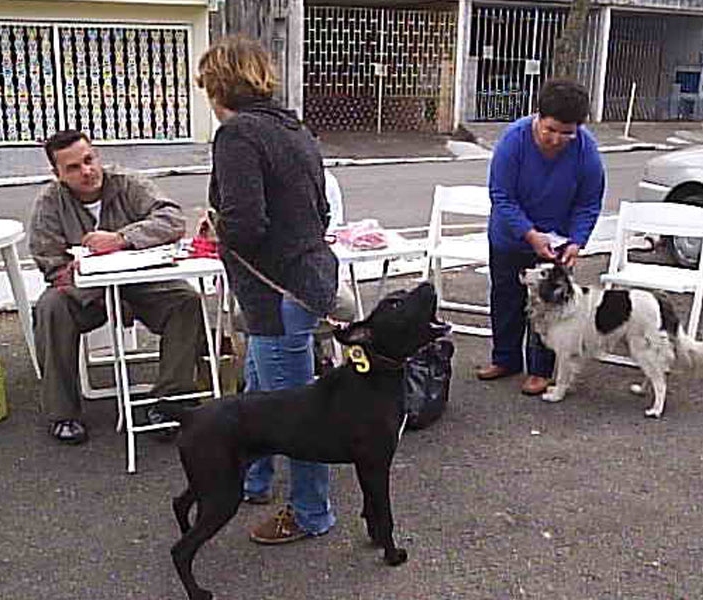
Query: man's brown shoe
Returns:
{"type": "Point", "coordinates": [493, 372]}
{"type": "Point", "coordinates": [535, 385]}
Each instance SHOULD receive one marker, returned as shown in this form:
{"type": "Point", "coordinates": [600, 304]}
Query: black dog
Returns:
{"type": "Point", "coordinates": [354, 414]}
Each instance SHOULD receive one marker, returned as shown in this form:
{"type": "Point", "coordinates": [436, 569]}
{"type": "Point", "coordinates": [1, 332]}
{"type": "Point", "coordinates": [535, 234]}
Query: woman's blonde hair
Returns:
{"type": "Point", "coordinates": [235, 67]}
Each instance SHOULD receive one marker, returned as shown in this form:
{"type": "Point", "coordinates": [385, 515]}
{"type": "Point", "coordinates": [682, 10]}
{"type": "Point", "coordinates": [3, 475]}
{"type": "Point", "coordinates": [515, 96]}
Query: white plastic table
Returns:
{"type": "Point", "coordinates": [191, 268]}
{"type": "Point", "coordinates": [398, 247]}
{"type": "Point", "coordinates": [12, 232]}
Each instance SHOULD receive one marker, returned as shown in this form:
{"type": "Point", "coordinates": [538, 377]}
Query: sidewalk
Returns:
{"type": "Point", "coordinates": [27, 164]}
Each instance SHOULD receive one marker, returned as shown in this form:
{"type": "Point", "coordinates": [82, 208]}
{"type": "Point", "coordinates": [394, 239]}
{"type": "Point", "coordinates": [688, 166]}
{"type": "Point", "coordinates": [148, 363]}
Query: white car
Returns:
{"type": "Point", "coordinates": [676, 177]}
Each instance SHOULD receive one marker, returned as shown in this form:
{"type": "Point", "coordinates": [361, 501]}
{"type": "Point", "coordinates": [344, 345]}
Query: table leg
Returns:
{"type": "Point", "coordinates": [121, 359]}
{"type": "Point", "coordinates": [112, 328]}
{"type": "Point", "coordinates": [214, 360]}
{"type": "Point", "coordinates": [14, 273]}
{"type": "Point", "coordinates": [382, 282]}
{"type": "Point", "coordinates": [357, 293]}
{"type": "Point", "coordinates": [219, 287]}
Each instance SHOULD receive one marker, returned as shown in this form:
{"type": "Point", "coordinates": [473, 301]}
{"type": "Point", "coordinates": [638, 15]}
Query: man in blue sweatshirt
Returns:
{"type": "Point", "coordinates": [546, 183]}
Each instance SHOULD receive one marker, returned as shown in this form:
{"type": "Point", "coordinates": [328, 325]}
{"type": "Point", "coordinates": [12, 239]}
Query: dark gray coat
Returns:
{"type": "Point", "coordinates": [267, 187]}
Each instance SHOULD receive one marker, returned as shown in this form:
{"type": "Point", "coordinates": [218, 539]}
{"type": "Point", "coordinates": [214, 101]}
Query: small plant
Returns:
{"type": "Point", "coordinates": [463, 134]}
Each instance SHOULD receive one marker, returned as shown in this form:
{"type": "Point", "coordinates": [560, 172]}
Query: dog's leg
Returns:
{"type": "Point", "coordinates": [373, 479]}
{"type": "Point", "coordinates": [215, 509]}
{"type": "Point", "coordinates": [654, 370]}
{"type": "Point", "coordinates": [658, 379]}
{"type": "Point", "coordinates": [181, 508]}
{"type": "Point", "coordinates": [367, 510]}
{"type": "Point", "coordinates": [566, 368]}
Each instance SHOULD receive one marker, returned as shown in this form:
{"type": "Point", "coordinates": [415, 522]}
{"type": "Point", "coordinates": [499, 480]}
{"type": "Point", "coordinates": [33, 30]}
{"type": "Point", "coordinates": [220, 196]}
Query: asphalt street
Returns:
{"type": "Point", "coordinates": [397, 195]}
{"type": "Point", "coordinates": [505, 498]}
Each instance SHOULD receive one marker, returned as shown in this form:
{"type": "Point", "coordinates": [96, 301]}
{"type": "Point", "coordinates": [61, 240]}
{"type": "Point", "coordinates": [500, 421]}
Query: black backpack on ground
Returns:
{"type": "Point", "coordinates": [427, 377]}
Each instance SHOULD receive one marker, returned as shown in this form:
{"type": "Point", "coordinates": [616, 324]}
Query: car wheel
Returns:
{"type": "Point", "coordinates": [684, 250]}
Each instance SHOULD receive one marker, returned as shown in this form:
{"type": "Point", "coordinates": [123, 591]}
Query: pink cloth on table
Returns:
{"type": "Point", "coordinates": [363, 235]}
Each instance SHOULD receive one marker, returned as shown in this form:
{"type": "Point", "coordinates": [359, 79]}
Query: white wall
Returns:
{"type": "Point", "coordinates": [190, 12]}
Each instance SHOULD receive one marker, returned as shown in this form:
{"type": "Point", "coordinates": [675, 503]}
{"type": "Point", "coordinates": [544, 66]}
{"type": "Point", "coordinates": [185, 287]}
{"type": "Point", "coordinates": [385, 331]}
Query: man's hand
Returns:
{"type": "Point", "coordinates": [540, 244]}
{"type": "Point", "coordinates": [64, 277]}
{"type": "Point", "coordinates": [104, 241]}
{"type": "Point", "coordinates": [568, 256]}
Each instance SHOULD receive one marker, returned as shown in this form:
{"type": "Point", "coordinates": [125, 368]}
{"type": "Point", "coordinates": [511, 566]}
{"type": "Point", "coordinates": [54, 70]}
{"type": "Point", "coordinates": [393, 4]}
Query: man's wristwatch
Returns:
{"type": "Point", "coordinates": [125, 243]}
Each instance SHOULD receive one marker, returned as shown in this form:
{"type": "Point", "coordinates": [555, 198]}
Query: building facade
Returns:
{"type": "Point", "coordinates": [120, 70]}
{"type": "Point", "coordinates": [394, 65]}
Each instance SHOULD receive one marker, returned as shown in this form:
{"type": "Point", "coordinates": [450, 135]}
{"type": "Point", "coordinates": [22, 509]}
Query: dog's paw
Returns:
{"type": "Point", "coordinates": [203, 595]}
{"type": "Point", "coordinates": [552, 394]}
{"type": "Point", "coordinates": [637, 389]}
{"type": "Point", "coordinates": [653, 413]}
{"type": "Point", "coordinates": [397, 557]}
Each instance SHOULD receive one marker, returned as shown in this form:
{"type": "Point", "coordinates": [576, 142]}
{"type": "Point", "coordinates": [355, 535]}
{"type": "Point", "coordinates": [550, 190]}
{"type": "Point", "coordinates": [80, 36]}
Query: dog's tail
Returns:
{"type": "Point", "coordinates": [176, 411]}
{"type": "Point", "coordinates": [689, 351]}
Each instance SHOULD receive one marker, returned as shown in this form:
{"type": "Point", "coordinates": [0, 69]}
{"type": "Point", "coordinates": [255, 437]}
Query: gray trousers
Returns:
{"type": "Point", "coordinates": [169, 309]}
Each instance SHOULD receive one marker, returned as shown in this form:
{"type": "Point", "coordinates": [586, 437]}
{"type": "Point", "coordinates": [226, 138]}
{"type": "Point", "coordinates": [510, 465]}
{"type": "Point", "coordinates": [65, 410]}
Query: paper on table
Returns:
{"type": "Point", "coordinates": [123, 260]}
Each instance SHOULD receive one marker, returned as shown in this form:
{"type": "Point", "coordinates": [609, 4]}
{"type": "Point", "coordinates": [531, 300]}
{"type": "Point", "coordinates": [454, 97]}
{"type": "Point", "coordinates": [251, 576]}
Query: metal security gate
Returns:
{"type": "Point", "coordinates": [635, 54]}
{"type": "Point", "coordinates": [27, 83]}
{"type": "Point", "coordinates": [368, 69]}
{"type": "Point", "coordinates": [514, 50]}
{"type": "Point", "coordinates": [113, 82]}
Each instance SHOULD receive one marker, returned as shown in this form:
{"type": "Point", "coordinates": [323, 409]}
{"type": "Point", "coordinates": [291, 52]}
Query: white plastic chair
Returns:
{"type": "Point", "coordinates": [333, 191]}
{"type": "Point", "coordinates": [96, 350]}
{"type": "Point", "coordinates": [662, 218]}
{"type": "Point", "coordinates": [466, 249]}
{"type": "Point", "coordinates": [472, 249]}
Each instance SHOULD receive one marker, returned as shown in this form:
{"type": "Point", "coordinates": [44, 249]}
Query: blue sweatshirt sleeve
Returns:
{"type": "Point", "coordinates": [502, 185]}
{"type": "Point", "coordinates": [589, 195]}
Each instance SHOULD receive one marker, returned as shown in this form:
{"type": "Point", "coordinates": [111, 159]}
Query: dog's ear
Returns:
{"type": "Point", "coordinates": [564, 270]}
{"type": "Point", "coordinates": [356, 333]}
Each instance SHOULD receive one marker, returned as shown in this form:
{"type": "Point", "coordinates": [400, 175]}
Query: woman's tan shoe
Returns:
{"type": "Point", "coordinates": [494, 372]}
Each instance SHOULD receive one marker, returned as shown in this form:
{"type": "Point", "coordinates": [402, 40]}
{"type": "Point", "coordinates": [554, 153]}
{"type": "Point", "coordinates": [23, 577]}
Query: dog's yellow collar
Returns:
{"type": "Point", "coordinates": [358, 357]}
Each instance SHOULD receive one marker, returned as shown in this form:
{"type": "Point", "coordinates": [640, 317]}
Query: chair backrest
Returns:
{"type": "Point", "coordinates": [661, 218]}
{"type": "Point", "coordinates": [462, 199]}
{"type": "Point", "coordinates": [471, 200]}
{"type": "Point", "coordinates": [333, 191]}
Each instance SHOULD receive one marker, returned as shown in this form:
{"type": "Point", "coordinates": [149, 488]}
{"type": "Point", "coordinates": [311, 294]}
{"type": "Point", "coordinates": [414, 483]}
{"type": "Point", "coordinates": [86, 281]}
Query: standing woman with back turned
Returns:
{"type": "Point", "coordinates": [267, 187]}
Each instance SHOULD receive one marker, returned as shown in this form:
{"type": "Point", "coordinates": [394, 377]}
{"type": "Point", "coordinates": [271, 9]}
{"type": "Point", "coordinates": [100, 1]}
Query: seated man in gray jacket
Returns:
{"type": "Point", "coordinates": [104, 211]}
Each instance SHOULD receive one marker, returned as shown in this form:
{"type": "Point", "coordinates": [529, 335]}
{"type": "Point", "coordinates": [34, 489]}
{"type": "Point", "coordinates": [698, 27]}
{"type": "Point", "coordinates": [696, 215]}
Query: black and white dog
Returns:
{"type": "Point", "coordinates": [579, 322]}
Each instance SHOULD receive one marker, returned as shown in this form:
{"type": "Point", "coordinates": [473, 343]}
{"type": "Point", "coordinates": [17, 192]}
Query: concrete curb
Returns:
{"type": "Point", "coordinates": [328, 162]}
{"type": "Point", "coordinates": [205, 169]}
{"type": "Point", "coordinates": [151, 172]}
{"type": "Point", "coordinates": [24, 180]}
{"type": "Point", "coordinates": [361, 162]}
{"type": "Point", "coordinates": [635, 147]}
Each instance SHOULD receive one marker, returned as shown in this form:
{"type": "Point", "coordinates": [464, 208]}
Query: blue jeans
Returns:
{"type": "Point", "coordinates": [280, 362]}
{"type": "Point", "coordinates": [508, 318]}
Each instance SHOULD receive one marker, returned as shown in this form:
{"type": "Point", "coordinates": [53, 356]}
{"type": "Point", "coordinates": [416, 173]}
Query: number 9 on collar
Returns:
{"type": "Point", "coordinates": [359, 359]}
